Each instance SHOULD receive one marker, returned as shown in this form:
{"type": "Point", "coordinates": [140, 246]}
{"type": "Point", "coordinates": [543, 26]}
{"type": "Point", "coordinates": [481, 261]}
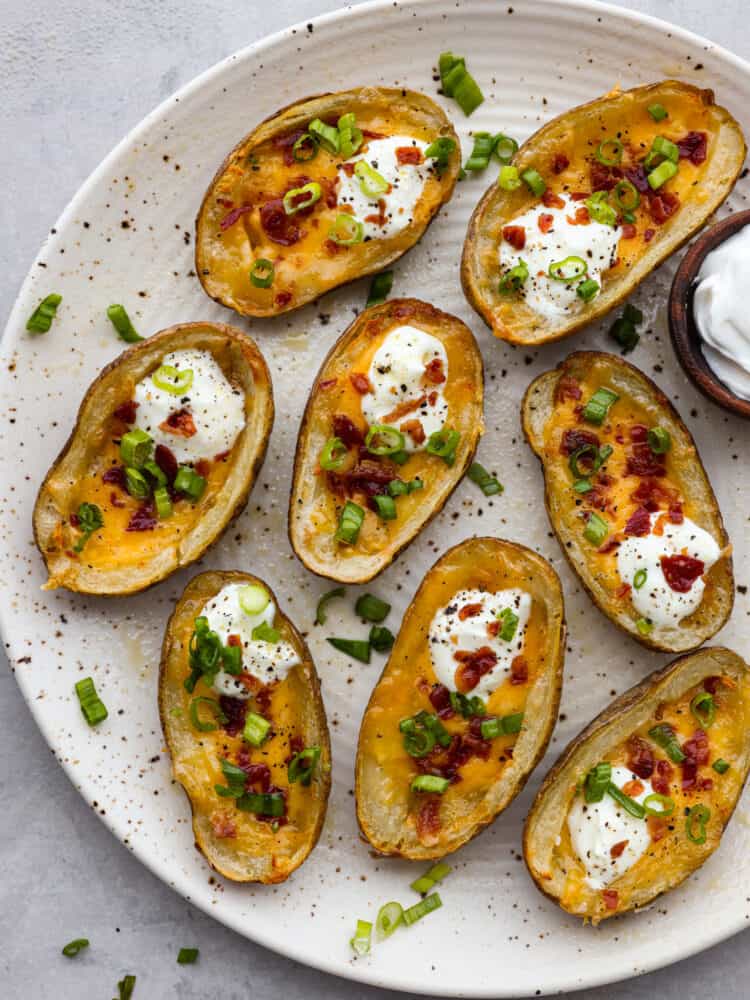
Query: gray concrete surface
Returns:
{"type": "Point", "coordinates": [76, 76]}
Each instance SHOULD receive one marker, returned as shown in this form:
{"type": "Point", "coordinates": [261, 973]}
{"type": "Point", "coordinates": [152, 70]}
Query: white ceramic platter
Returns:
{"type": "Point", "coordinates": [128, 237]}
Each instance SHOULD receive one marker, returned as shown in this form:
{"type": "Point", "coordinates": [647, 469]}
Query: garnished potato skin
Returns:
{"type": "Point", "coordinates": [539, 415]}
{"type": "Point", "coordinates": [386, 808]}
{"type": "Point", "coordinates": [575, 136]}
{"type": "Point", "coordinates": [311, 499]}
{"type": "Point", "coordinates": [304, 271]}
{"type": "Point", "coordinates": [254, 852]}
{"type": "Point", "coordinates": [662, 868]}
{"type": "Point", "coordinates": [142, 567]}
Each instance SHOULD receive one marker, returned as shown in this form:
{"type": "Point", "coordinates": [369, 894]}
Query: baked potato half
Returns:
{"type": "Point", "coordinates": [327, 190]}
{"type": "Point", "coordinates": [467, 702]}
{"type": "Point", "coordinates": [165, 449]}
{"type": "Point", "coordinates": [640, 799]}
{"type": "Point", "coordinates": [594, 201]}
{"type": "Point", "coordinates": [391, 425]}
{"type": "Point", "coordinates": [244, 721]}
{"type": "Point", "coordinates": [629, 500]}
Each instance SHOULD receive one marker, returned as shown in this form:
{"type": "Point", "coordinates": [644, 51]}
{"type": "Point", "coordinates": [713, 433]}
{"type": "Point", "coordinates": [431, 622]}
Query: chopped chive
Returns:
{"type": "Point", "coordinates": [93, 708]}
{"type": "Point", "coordinates": [371, 608]}
{"type": "Point", "coordinates": [321, 612]}
{"type": "Point", "coordinates": [41, 319]}
{"type": "Point", "coordinates": [359, 649]}
{"type": "Point", "coordinates": [186, 956]}
{"type": "Point", "coordinates": [72, 948]}
{"type": "Point", "coordinates": [120, 320]}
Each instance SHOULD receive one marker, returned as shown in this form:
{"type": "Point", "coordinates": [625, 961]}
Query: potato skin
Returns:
{"type": "Point", "coordinates": [536, 410]}
{"type": "Point", "coordinates": [314, 430]}
{"type": "Point", "coordinates": [384, 822]}
{"type": "Point", "coordinates": [264, 866]}
{"type": "Point", "coordinates": [518, 323]}
{"type": "Point", "coordinates": [108, 390]}
{"type": "Point", "coordinates": [410, 108]}
{"type": "Point", "coordinates": [608, 729]}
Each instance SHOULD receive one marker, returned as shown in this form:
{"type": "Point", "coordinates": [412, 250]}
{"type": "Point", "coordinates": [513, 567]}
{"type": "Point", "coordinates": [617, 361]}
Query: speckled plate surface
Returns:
{"type": "Point", "coordinates": [127, 237]}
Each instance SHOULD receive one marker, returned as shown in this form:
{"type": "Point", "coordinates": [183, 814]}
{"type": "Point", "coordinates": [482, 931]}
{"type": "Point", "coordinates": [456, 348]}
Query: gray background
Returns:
{"type": "Point", "coordinates": [76, 76]}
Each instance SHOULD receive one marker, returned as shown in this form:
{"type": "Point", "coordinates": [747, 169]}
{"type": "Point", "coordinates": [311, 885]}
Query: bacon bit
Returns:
{"type": "Point", "coordinates": [361, 383]}
{"type": "Point", "coordinates": [347, 430]}
{"type": "Point", "coordinates": [380, 219]}
{"type": "Point", "coordinates": [681, 571]}
{"type": "Point", "coordinates": [693, 147]}
{"type": "Point", "coordinates": [552, 200]}
{"type": "Point", "coordinates": [712, 684]}
{"type": "Point", "coordinates": [126, 412]}
{"type": "Point", "coordinates": [348, 169]}
{"type": "Point", "coordinates": [696, 753]}
{"type": "Point", "coordinates": [629, 231]}
{"type": "Point", "coordinates": [433, 371]}
{"type": "Point", "coordinates": [115, 500]}
{"type": "Point", "coordinates": [327, 384]}
{"type": "Point", "coordinates": [623, 591]}
{"type": "Point", "coordinates": [258, 775]}
{"type": "Point", "coordinates": [403, 408]}
{"type": "Point", "coordinates": [249, 681]}
{"type": "Point", "coordinates": [545, 222]}
{"type": "Point", "coordinates": [675, 513]}
{"type": "Point", "coordinates": [143, 518]}
{"type": "Point", "coordinates": [639, 523]}
{"type": "Point", "coordinates": [115, 476]}
{"type": "Point", "coordinates": [203, 467]}
{"type": "Point", "coordinates": [493, 628]}
{"type": "Point", "coordinates": [579, 195]}
{"type": "Point", "coordinates": [641, 460]}
{"type": "Point", "coordinates": [166, 461]}
{"type": "Point", "coordinates": [560, 162]}
{"type": "Point", "coordinates": [657, 827]}
{"type": "Point", "coordinates": [235, 709]}
{"type": "Point", "coordinates": [610, 898]}
{"type": "Point", "coordinates": [440, 699]}
{"type": "Point", "coordinates": [474, 664]}
{"type": "Point", "coordinates": [296, 745]}
{"type": "Point", "coordinates": [277, 225]}
{"type": "Point", "coordinates": [515, 235]}
{"type": "Point", "coordinates": [573, 439]}
{"type": "Point", "coordinates": [368, 134]}
{"type": "Point", "coordinates": [633, 788]}
{"type": "Point", "coordinates": [370, 477]}
{"type": "Point", "coordinates": [409, 154]}
{"type": "Point", "coordinates": [223, 825]}
{"type": "Point", "coordinates": [470, 611]}
{"type": "Point", "coordinates": [284, 143]}
{"type": "Point", "coordinates": [234, 640]}
{"type": "Point", "coordinates": [650, 493]}
{"type": "Point", "coordinates": [616, 849]}
{"type": "Point", "coordinates": [263, 701]}
{"type": "Point", "coordinates": [231, 217]}
{"type": "Point", "coordinates": [333, 249]}
{"type": "Point", "coordinates": [581, 218]}
{"type": "Point", "coordinates": [180, 423]}
{"type": "Point", "coordinates": [610, 545]}
{"type": "Point", "coordinates": [663, 205]}
{"type": "Point", "coordinates": [649, 235]}
{"type": "Point", "coordinates": [602, 178]}
{"type": "Point", "coordinates": [568, 388]}
{"type": "Point", "coordinates": [638, 178]}
{"type": "Point", "coordinates": [519, 670]}
{"type": "Point", "coordinates": [282, 299]}
{"type": "Point", "coordinates": [330, 197]}
{"type": "Point", "coordinates": [640, 757]}
{"type": "Point", "coordinates": [661, 781]}
{"type": "Point", "coordinates": [432, 398]}
{"type": "Point", "coordinates": [415, 429]}
{"type": "Point", "coordinates": [428, 821]}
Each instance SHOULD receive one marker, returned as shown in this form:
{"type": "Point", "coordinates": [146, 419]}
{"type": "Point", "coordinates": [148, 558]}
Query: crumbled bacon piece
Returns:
{"type": "Point", "coordinates": [696, 753]}
{"type": "Point", "coordinates": [180, 423]}
{"type": "Point", "coordinates": [602, 177]}
{"type": "Point", "coordinates": [649, 235]}
{"type": "Point", "coordinates": [285, 144]}
{"type": "Point", "coordinates": [115, 476]}
{"type": "Point", "coordinates": [234, 640]}
{"type": "Point", "coordinates": [469, 611]}
{"type": "Point", "coordinates": [235, 710]}
{"type": "Point", "coordinates": [361, 383]}
{"type": "Point", "coordinates": [681, 571]}
{"type": "Point", "coordinates": [203, 467]}
{"type": "Point", "coordinates": [612, 543]}
{"type": "Point", "coordinates": [434, 372]}
{"type": "Point", "coordinates": [617, 849]}
{"type": "Point", "coordinates": [409, 154]}
{"type": "Point", "coordinates": [639, 523]}
{"type": "Point", "coordinates": [568, 388]}
{"type": "Point", "coordinates": [166, 461]}
{"type": "Point", "coordinates": [641, 460]}
{"type": "Point", "coordinates": [347, 430]}
{"type": "Point", "coordinates": [640, 757]}
{"type": "Point", "coordinates": [277, 225]}
{"type": "Point", "coordinates": [560, 162]}
{"type": "Point", "coordinates": [662, 205]}
{"type": "Point", "coordinates": [622, 591]}
{"type": "Point", "coordinates": [712, 684]}
{"type": "Point", "coordinates": [629, 231]}
{"type": "Point", "coordinates": [428, 820]}
{"type": "Point", "coordinates": [693, 147]}
{"type": "Point", "coordinates": [579, 195]}
{"type": "Point", "coordinates": [115, 500]}
{"type": "Point", "coordinates": [581, 217]}
{"type": "Point", "coordinates": [574, 438]}
{"type": "Point", "coordinates": [638, 178]}
{"type": "Point", "coordinates": [231, 217]}
{"type": "Point", "coordinates": [657, 827]}
{"type": "Point", "coordinates": [610, 898]}
{"type": "Point", "coordinates": [401, 409]}
{"type": "Point", "coordinates": [493, 628]}
{"type": "Point", "coordinates": [473, 665]}
{"type": "Point", "coordinates": [675, 514]}
{"type": "Point", "coordinates": [650, 493]}
{"type": "Point", "coordinates": [545, 222]}
{"type": "Point", "coordinates": [282, 299]}
{"type": "Point", "coordinates": [440, 699]}
{"type": "Point", "coordinates": [552, 200]}
{"type": "Point", "coordinates": [143, 518]}
{"type": "Point", "coordinates": [415, 430]}
{"type": "Point", "coordinates": [519, 670]}
{"type": "Point", "coordinates": [662, 777]}
{"type": "Point", "coordinates": [370, 477]}
{"type": "Point", "coordinates": [633, 787]}
{"type": "Point", "coordinates": [327, 384]}
{"type": "Point", "coordinates": [515, 235]}
{"type": "Point", "coordinates": [126, 411]}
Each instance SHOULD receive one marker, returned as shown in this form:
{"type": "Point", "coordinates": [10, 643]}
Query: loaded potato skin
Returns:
{"type": "Point", "coordinates": [467, 702]}
{"type": "Point", "coordinates": [640, 799]}
{"type": "Point", "coordinates": [244, 721]}
{"type": "Point", "coordinates": [629, 500]}
{"type": "Point", "coordinates": [327, 190]}
{"type": "Point", "coordinates": [166, 446]}
{"type": "Point", "coordinates": [391, 425]}
{"type": "Point", "coordinates": [599, 197]}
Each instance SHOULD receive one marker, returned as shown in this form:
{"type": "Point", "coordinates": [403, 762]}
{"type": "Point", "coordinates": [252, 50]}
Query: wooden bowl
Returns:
{"type": "Point", "coordinates": [685, 336]}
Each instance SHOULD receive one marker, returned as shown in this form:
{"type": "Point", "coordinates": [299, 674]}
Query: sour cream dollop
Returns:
{"type": "Point", "coordinates": [594, 242]}
{"type": "Point", "coordinates": [596, 827]}
{"type": "Point", "coordinates": [721, 314]}
{"type": "Point", "coordinates": [655, 599]}
{"type": "Point", "coordinates": [450, 634]}
{"type": "Point", "coordinates": [407, 181]}
{"type": "Point", "coordinates": [216, 407]}
{"type": "Point", "coordinates": [397, 375]}
{"type": "Point", "coordinates": [267, 661]}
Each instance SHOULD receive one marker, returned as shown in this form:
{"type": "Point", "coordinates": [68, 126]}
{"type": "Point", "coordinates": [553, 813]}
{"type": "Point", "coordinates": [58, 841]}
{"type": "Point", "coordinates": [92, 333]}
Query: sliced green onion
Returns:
{"type": "Point", "coordinates": [155, 472]}
{"type": "Point", "coordinates": [430, 783]}
{"type": "Point", "coordinates": [360, 943]}
{"type": "Point", "coordinates": [350, 139]}
{"type": "Point", "coordinates": [236, 778]}
{"type": "Point", "coordinates": [162, 502]}
{"type": "Point", "coordinates": [640, 578]}
{"type": "Point", "coordinates": [126, 986]}
{"type": "Point", "coordinates": [598, 457]}
{"type": "Point", "coordinates": [333, 455]}
{"type": "Point", "coordinates": [135, 447]}
{"type": "Point", "coordinates": [93, 708]}
{"type": "Point", "coordinates": [381, 638]}
{"type": "Point", "coordinates": [661, 149]}
{"type": "Point", "coordinates": [587, 289]}
{"type": "Point", "coordinates": [305, 148]}
{"type": "Point", "coordinates": [508, 179]}
{"type": "Point", "coordinates": [302, 765]}
{"type": "Point", "coordinates": [371, 608]}
{"type": "Point", "coordinates": [380, 289]}
{"type": "Point", "coordinates": [398, 488]}
{"type": "Point", "coordinates": [582, 486]}
{"type": "Point", "coordinates": [600, 210]}
{"type": "Point", "coordinates": [599, 405]}
{"type": "Point", "coordinates": [657, 111]}
{"type": "Point", "coordinates": [504, 148]}
{"type": "Point", "coordinates": [663, 803]}
{"type": "Point", "coordinates": [596, 529]}
{"type": "Point", "coordinates": [424, 906]}
{"type": "Point", "coordinates": [346, 230]}
{"type": "Point", "coordinates": [358, 649]}
{"type": "Point", "coordinates": [400, 457]}
{"type": "Point", "coordinates": [120, 320]}
{"type": "Point", "coordinates": [645, 626]}
{"type": "Point", "coordinates": [390, 915]}
{"type": "Point", "coordinates": [214, 708]}
{"type": "Point", "coordinates": [514, 278]}
{"type": "Point", "coordinates": [136, 484]}
{"type": "Point", "coordinates": [626, 195]}
{"type": "Point", "coordinates": [256, 729]}
{"type": "Point", "coordinates": [481, 153]}
{"type": "Point", "coordinates": [308, 195]}
{"type": "Point", "coordinates": [262, 273]}
{"type": "Point", "coordinates": [384, 440]}
{"type": "Point", "coordinates": [264, 632]}
{"type": "Point", "coordinates": [350, 522]}
{"type": "Point", "coordinates": [370, 181]}
{"type": "Point", "coordinates": [534, 181]}
{"type": "Point", "coordinates": [430, 878]}
{"type": "Point", "coordinates": [467, 707]}
{"type": "Point", "coordinates": [659, 440]}
{"type": "Point", "coordinates": [321, 612]}
{"type": "Point", "coordinates": [41, 319]}
{"type": "Point", "coordinates": [510, 624]}
{"type": "Point", "coordinates": [443, 444]}
{"type": "Point", "coordinates": [721, 766]}
{"type": "Point", "coordinates": [467, 94]}
{"type": "Point", "coordinates": [253, 598]}
{"type": "Point", "coordinates": [703, 708]}
{"type": "Point", "coordinates": [421, 732]}
{"type": "Point", "coordinates": [661, 174]}
{"type": "Point", "coordinates": [569, 269]}
{"type": "Point", "coordinates": [486, 482]}
{"type": "Point", "coordinates": [72, 948]}
{"type": "Point", "coordinates": [262, 803]}
{"type": "Point", "coordinates": [440, 151]}
{"type": "Point", "coordinates": [628, 804]}
{"type": "Point", "coordinates": [449, 64]}
{"type": "Point", "coordinates": [188, 481]}
{"type": "Point", "coordinates": [698, 816]}
{"type": "Point", "coordinates": [326, 135]}
{"type": "Point", "coordinates": [597, 781]}
{"type": "Point", "coordinates": [90, 519]}
{"type": "Point", "coordinates": [385, 507]}
{"type": "Point", "coordinates": [609, 152]}
{"type": "Point", "coordinates": [458, 83]}
{"type": "Point", "coordinates": [176, 381]}
{"type": "Point", "coordinates": [508, 725]}
{"type": "Point", "coordinates": [664, 736]}
{"type": "Point", "coordinates": [186, 956]}
{"type": "Point", "coordinates": [623, 329]}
